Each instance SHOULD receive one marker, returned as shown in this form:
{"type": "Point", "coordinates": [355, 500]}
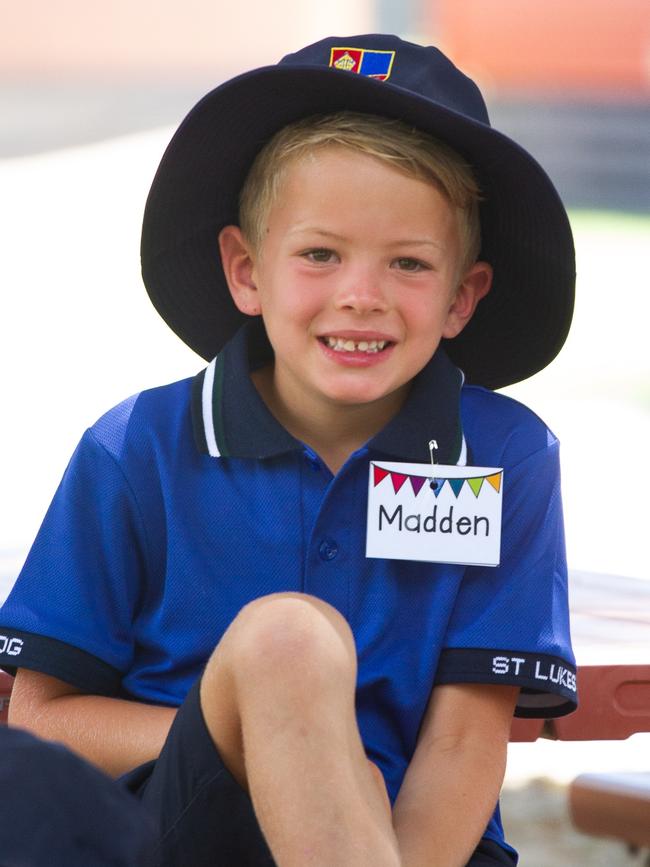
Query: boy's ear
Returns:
{"type": "Point", "coordinates": [475, 285]}
{"type": "Point", "coordinates": [237, 262]}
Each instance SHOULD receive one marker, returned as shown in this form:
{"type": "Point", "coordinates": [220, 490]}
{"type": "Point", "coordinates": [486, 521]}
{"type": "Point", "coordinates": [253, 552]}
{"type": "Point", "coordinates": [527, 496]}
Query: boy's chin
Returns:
{"type": "Point", "coordinates": [358, 399]}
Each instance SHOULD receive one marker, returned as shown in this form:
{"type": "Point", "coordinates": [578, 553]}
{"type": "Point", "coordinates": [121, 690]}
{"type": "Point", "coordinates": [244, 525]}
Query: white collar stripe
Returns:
{"type": "Point", "coordinates": [462, 459]}
{"type": "Point", "coordinates": [207, 406]}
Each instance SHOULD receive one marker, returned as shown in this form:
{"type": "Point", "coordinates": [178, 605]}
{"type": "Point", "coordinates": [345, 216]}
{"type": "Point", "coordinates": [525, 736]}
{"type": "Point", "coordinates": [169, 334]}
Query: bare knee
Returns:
{"type": "Point", "coordinates": [291, 632]}
{"type": "Point", "coordinates": [276, 639]}
{"type": "Point", "coordinates": [287, 644]}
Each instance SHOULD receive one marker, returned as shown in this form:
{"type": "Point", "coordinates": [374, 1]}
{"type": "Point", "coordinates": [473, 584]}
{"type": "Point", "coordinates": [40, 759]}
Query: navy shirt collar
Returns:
{"type": "Point", "coordinates": [230, 418]}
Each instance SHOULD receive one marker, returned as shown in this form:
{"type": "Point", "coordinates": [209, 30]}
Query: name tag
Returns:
{"type": "Point", "coordinates": [436, 513]}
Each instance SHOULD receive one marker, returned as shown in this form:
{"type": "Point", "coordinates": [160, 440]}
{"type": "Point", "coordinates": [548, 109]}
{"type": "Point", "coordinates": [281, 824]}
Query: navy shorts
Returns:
{"type": "Point", "coordinates": [60, 811]}
{"type": "Point", "coordinates": [204, 817]}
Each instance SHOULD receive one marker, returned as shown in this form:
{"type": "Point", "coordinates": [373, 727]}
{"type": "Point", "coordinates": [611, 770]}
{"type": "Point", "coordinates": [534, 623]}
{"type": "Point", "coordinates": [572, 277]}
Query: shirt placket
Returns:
{"type": "Point", "coordinates": [328, 518]}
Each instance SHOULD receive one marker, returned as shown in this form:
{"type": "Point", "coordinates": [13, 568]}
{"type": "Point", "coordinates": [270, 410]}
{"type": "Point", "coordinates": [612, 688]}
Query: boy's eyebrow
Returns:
{"type": "Point", "coordinates": [400, 242]}
{"type": "Point", "coordinates": [416, 242]}
{"type": "Point", "coordinates": [314, 230]}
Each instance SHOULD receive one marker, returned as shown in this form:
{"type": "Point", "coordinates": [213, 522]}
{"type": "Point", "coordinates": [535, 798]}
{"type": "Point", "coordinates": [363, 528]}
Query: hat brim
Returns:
{"type": "Point", "coordinates": [516, 330]}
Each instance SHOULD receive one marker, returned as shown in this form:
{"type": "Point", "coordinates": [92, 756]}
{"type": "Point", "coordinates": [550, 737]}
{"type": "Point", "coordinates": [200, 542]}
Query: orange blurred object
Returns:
{"type": "Point", "coordinates": [553, 46]}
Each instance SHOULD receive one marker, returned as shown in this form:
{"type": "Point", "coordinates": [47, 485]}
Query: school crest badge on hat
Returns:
{"type": "Point", "coordinates": [374, 64]}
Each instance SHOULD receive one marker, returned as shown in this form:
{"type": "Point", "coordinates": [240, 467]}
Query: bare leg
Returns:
{"type": "Point", "coordinates": [278, 698]}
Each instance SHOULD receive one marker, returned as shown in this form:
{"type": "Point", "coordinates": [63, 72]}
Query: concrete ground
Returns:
{"type": "Point", "coordinates": [536, 821]}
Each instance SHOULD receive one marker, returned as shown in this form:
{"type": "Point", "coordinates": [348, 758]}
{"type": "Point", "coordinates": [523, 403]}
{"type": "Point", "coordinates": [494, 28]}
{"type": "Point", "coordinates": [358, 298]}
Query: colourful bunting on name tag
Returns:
{"type": "Point", "coordinates": [436, 484]}
{"type": "Point", "coordinates": [456, 485]}
{"type": "Point", "coordinates": [476, 485]}
{"type": "Point", "coordinates": [379, 474]}
{"type": "Point", "coordinates": [416, 483]}
{"type": "Point", "coordinates": [495, 481]}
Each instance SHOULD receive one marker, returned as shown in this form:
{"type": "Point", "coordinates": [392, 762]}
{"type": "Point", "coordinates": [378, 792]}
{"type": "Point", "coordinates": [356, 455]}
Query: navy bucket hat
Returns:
{"type": "Point", "coordinates": [516, 330]}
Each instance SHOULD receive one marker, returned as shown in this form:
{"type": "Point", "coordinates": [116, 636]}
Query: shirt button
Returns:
{"type": "Point", "coordinates": [328, 549]}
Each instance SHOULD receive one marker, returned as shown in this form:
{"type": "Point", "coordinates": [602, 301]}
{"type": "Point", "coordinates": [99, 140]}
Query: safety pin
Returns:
{"type": "Point", "coordinates": [433, 445]}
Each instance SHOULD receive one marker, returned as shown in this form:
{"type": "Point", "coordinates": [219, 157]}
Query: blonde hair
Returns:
{"type": "Point", "coordinates": [410, 151]}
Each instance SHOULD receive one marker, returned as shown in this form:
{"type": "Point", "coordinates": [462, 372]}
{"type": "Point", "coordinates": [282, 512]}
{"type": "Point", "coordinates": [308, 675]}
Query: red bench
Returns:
{"type": "Point", "coordinates": [614, 704]}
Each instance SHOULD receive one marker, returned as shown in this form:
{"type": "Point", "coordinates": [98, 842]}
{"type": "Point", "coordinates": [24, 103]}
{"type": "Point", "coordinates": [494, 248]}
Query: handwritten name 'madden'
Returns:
{"type": "Point", "coordinates": [457, 523]}
{"type": "Point", "coordinates": [434, 522]}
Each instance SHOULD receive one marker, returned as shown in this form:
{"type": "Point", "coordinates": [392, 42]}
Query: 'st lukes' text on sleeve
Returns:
{"type": "Point", "coordinates": [70, 612]}
{"type": "Point", "coordinates": [510, 624]}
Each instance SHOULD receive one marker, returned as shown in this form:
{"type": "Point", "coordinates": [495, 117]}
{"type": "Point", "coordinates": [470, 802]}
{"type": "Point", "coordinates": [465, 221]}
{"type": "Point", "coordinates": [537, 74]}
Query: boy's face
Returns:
{"type": "Point", "coordinates": [356, 280]}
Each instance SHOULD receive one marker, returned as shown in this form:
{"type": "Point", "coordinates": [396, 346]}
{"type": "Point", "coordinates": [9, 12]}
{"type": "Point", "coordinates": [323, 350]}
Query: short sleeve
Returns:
{"type": "Point", "coordinates": [510, 624]}
{"type": "Point", "coordinates": [71, 609]}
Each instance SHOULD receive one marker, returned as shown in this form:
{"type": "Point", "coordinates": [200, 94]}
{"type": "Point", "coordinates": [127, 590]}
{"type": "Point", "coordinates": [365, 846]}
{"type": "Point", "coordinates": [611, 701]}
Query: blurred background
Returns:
{"type": "Point", "coordinates": [90, 93]}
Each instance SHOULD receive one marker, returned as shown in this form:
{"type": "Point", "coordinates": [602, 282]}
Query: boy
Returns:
{"type": "Point", "coordinates": [356, 709]}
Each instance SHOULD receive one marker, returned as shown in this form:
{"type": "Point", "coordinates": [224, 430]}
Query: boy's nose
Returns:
{"type": "Point", "coordinates": [362, 292]}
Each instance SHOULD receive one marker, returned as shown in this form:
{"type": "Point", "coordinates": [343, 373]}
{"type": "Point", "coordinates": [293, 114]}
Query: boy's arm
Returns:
{"type": "Point", "coordinates": [452, 784]}
{"type": "Point", "coordinates": [112, 733]}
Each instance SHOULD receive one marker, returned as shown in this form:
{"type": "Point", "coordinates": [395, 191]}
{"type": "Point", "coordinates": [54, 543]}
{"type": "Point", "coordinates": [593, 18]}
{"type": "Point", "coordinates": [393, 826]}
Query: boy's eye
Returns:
{"type": "Point", "coordinates": [405, 263]}
{"type": "Point", "coordinates": [321, 255]}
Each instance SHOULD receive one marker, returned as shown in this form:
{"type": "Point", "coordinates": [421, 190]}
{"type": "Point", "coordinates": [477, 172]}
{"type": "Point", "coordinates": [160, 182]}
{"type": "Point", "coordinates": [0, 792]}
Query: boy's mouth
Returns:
{"type": "Point", "coordinates": [345, 344]}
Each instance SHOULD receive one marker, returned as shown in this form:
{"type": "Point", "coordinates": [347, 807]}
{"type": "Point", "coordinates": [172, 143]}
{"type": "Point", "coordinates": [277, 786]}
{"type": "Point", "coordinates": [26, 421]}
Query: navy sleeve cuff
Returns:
{"type": "Point", "coordinates": [547, 683]}
{"type": "Point", "coordinates": [49, 656]}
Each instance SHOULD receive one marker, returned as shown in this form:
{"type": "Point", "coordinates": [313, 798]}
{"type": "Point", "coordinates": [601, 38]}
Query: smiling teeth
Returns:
{"type": "Point", "coordinates": [338, 344]}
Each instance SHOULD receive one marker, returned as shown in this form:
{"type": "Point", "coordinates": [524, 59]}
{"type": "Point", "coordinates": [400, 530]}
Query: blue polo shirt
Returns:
{"type": "Point", "coordinates": [185, 502]}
